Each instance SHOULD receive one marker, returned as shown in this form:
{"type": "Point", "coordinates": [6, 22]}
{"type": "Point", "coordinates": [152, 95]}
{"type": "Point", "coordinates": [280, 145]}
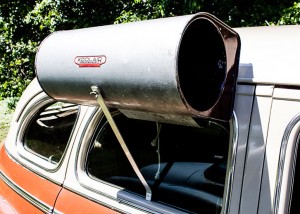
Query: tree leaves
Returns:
{"type": "Point", "coordinates": [290, 16]}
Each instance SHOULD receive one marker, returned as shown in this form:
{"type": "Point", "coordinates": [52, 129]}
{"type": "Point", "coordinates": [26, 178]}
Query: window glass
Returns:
{"type": "Point", "coordinates": [48, 133]}
{"type": "Point", "coordinates": [184, 166]}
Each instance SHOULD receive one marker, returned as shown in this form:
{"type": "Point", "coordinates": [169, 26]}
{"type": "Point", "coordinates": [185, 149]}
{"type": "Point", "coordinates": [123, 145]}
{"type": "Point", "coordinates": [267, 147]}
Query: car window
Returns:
{"type": "Point", "coordinates": [48, 132]}
{"type": "Point", "coordinates": [185, 167]}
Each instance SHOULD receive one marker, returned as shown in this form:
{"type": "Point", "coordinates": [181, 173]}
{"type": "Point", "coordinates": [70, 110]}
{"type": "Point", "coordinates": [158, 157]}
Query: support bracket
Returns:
{"type": "Point", "coordinates": [97, 92]}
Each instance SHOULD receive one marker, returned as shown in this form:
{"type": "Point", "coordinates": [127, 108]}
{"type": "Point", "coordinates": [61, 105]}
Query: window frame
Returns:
{"type": "Point", "coordinates": [110, 190]}
{"type": "Point", "coordinates": [30, 112]}
{"type": "Point", "coordinates": [286, 166]}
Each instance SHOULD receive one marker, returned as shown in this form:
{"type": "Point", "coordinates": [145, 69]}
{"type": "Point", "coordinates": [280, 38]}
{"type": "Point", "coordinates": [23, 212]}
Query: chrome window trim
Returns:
{"type": "Point", "coordinates": [31, 111]}
{"type": "Point", "coordinates": [72, 182]}
{"type": "Point", "coordinates": [91, 184]}
{"type": "Point", "coordinates": [46, 208]}
{"type": "Point", "coordinates": [283, 147]}
{"type": "Point", "coordinates": [232, 152]}
{"type": "Point", "coordinates": [32, 158]}
{"type": "Point", "coordinates": [81, 157]}
{"type": "Point", "coordinates": [80, 174]}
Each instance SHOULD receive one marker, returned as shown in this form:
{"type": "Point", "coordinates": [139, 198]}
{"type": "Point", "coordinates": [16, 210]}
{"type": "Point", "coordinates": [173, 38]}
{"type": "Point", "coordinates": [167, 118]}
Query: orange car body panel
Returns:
{"type": "Point", "coordinates": [70, 202]}
{"type": "Point", "coordinates": [31, 183]}
{"type": "Point", "coordinates": [11, 202]}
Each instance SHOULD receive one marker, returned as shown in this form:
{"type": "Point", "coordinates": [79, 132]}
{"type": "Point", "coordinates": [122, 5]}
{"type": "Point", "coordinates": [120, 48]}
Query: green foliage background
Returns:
{"type": "Point", "coordinates": [24, 24]}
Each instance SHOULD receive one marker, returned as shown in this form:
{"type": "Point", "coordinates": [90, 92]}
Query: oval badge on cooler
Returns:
{"type": "Point", "coordinates": [90, 61]}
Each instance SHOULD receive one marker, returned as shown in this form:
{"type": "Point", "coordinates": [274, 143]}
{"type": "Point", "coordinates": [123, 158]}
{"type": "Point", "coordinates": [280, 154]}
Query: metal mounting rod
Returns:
{"type": "Point", "coordinates": [96, 91]}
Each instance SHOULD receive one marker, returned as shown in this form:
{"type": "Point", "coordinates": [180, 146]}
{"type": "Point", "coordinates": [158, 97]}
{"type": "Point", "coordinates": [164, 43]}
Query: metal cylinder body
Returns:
{"type": "Point", "coordinates": [173, 66]}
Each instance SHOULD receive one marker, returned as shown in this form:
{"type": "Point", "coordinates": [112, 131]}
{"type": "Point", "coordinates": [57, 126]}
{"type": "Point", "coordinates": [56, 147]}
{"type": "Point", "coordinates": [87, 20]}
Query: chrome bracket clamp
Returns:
{"type": "Point", "coordinates": [96, 91]}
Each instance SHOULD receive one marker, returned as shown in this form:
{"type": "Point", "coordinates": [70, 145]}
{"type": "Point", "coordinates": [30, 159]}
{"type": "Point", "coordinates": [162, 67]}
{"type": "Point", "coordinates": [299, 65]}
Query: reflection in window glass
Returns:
{"type": "Point", "coordinates": [184, 166]}
{"type": "Point", "coordinates": [48, 133]}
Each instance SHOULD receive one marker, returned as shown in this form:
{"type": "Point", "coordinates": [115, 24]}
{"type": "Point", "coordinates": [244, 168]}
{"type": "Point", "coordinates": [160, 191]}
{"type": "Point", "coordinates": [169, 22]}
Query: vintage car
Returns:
{"type": "Point", "coordinates": [175, 115]}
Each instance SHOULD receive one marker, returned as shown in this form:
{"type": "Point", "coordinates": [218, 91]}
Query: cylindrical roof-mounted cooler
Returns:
{"type": "Point", "coordinates": [180, 66]}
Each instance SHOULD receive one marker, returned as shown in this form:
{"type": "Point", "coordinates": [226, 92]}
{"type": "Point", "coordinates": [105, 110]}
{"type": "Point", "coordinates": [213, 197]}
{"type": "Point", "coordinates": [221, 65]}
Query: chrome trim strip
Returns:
{"type": "Point", "coordinates": [232, 151]}
{"type": "Point", "coordinates": [56, 212]}
{"type": "Point", "coordinates": [281, 161]}
{"type": "Point", "coordinates": [28, 197]}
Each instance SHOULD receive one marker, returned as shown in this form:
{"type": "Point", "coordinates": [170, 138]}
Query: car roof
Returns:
{"type": "Point", "coordinates": [270, 55]}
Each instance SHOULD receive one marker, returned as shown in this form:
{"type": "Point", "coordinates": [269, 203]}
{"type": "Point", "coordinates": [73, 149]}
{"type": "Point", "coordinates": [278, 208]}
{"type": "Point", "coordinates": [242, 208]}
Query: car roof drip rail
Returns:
{"type": "Point", "coordinates": [97, 92]}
